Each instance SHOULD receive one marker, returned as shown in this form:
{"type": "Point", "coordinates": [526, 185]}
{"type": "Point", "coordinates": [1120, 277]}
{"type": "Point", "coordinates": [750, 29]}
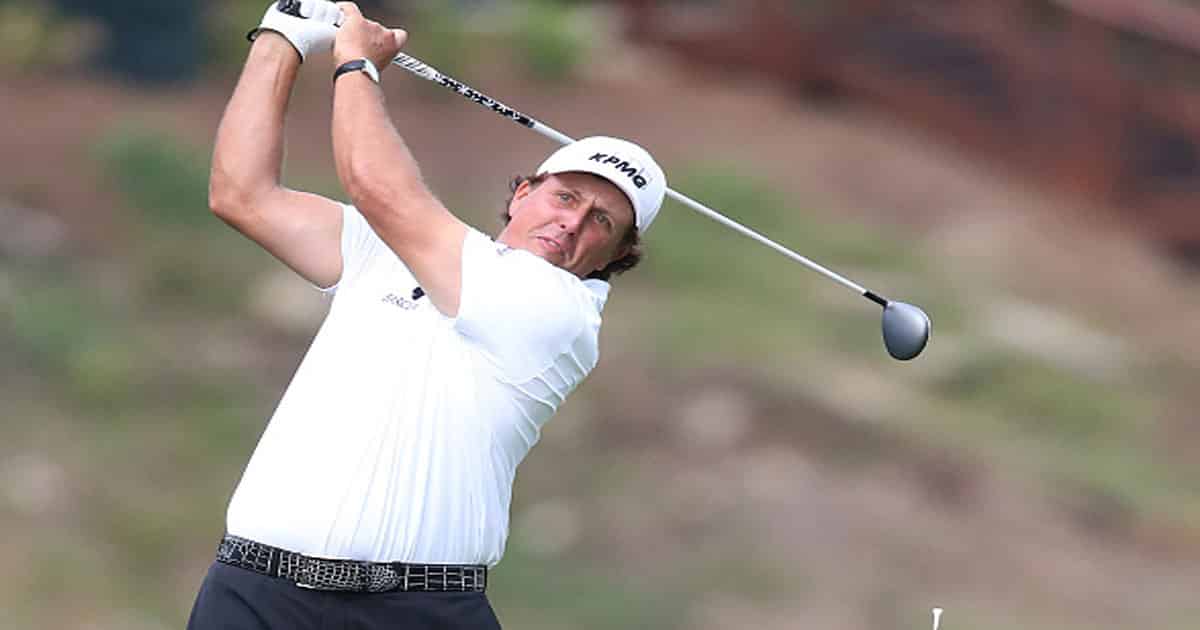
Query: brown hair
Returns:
{"type": "Point", "coordinates": [631, 239]}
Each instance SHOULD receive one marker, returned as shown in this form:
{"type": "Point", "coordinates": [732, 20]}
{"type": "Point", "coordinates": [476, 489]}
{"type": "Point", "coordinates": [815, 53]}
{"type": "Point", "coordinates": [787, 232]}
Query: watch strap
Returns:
{"type": "Point", "coordinates": [358, 65]}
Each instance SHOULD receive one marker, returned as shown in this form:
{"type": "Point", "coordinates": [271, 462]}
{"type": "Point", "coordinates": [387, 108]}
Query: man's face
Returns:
{"type": "Point", "coordinates": [573, 220]}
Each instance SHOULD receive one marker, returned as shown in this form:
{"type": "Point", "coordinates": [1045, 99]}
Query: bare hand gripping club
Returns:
{"type": "Point", "coordinates": [906, 328]}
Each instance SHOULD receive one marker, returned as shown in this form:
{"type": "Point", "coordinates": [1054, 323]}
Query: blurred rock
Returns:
{"type": "Point", "coordinates": [698, 497]}
{"type": "Point", "coordinates": [714, 420]}
{"type": "Point", "coordinates": [32, 483]}
{"type": "Point", "coordinates": [772, 474]}
{"type": "Point", "coordinates": [1057, 338]}
{"type": "Point", "coordinates": [26, 233]}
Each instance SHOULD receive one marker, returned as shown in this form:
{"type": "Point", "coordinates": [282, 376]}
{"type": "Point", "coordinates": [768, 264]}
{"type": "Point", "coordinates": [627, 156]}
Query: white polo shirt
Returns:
{"type": "Point", "coordinates": [399, 436]}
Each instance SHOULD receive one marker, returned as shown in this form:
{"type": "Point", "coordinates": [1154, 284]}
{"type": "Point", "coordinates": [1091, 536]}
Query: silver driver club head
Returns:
{"type": "Point", "coordinates": [906, 330]}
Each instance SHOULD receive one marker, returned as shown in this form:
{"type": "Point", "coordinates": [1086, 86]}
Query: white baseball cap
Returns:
{"type": "Point", "coordinates": [628, 166]}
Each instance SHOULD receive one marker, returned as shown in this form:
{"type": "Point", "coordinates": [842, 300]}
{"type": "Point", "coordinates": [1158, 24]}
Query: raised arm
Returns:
{"type": "Point", "coordinates": [379, 173]}
{"type": "Point", "coordinates": [300, 229]}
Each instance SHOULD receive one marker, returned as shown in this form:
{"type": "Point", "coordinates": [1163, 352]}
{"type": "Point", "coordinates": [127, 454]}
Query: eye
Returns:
{"type": "Point", "coordinates": [564, 197]}
{"type": "Point", "coordinates": [603, 220]}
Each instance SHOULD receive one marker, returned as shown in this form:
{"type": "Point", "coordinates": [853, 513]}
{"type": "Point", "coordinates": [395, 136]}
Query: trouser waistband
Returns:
{"type": "Point", "coordinates": [349, 575]}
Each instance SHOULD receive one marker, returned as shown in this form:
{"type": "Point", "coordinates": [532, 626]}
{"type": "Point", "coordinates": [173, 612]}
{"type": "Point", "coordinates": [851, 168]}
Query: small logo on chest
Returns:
{"type": "Point", "coordinates": [402, 302]}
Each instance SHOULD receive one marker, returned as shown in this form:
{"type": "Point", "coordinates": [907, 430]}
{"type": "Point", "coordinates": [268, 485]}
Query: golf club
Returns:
{"type": "Point", "coordinates": [906, 328]}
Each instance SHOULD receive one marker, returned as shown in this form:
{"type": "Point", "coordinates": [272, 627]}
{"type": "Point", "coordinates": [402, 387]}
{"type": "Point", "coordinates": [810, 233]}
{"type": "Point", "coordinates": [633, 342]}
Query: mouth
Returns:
{"type": "Point", "coordinates": [552, 245]}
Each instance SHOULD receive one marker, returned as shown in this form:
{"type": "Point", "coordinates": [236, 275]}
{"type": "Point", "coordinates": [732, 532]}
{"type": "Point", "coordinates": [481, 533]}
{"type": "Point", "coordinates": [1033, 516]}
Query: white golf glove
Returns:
{"type": "Point", "coordinates": [312, 33]}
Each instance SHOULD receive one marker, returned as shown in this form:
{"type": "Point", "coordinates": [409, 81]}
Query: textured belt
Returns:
{"type": "Point", "coordinates": [327, 574]}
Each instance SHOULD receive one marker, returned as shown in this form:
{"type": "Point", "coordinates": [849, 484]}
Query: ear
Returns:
{"type": "Point", "coordinates": [523, 190]}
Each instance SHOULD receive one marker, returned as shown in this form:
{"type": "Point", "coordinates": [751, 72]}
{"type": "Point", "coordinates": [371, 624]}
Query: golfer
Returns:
{"type": "Point", "coordinates": [378, 495]}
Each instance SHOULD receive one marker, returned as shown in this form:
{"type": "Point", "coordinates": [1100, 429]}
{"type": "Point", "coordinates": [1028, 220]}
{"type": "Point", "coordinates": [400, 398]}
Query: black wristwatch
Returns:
{"type": "Point", "coordinates": [361, 65]}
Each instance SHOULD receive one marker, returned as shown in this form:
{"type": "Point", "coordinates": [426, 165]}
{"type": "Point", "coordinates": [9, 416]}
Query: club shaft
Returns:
{"type": "Point", "coordinates": [745, 231]}
{"type": "Point", "coordinates": [425, 71]}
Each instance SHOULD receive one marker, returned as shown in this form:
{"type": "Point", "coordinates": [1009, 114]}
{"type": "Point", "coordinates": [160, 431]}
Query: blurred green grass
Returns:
{"type": "Point", "coordinates": [157, 436]}
{"type": "Point", "coordinates": [722, 297]}
{"type": "Point", "coordinates": [532, 591]}
{"type": "Point", "coordinates": [549, 39]}
{"type": "Point", "coordinates": [714, 277]}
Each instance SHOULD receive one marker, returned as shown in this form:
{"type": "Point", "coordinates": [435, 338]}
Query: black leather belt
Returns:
{"type": "Point", "coordinates": [327, 574]}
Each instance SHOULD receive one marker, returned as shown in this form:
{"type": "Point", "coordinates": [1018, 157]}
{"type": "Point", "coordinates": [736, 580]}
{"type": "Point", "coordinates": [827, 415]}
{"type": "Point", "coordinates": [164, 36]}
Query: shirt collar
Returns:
{"type": "Point", "coordinates": [599, 289]}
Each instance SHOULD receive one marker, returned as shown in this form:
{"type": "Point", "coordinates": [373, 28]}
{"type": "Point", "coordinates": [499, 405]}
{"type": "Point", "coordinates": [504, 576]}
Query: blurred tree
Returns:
{"type": "Point", "coordinates": [151, 41]}
{"type": "Point", "coordinates": [548, 44]}
{"type": "Point", "coordinates": [36, 33]}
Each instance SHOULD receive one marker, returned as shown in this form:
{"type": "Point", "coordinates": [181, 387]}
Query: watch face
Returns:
{"type": "Point", "coordinates": [371, 70]}
{"type": "Point", "coordinates": [363, 65]}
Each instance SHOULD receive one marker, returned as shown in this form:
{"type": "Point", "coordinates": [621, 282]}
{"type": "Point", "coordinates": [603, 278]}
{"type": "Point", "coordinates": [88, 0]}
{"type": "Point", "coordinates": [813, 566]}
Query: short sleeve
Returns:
{"type": "Point", "coordinates": [359, 244]}
{"type": "Point", "coordinates": [523, 312]}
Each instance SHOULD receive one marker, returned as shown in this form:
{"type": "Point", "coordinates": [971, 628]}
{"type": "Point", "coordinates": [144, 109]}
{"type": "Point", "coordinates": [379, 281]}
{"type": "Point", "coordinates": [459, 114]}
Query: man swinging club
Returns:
{"type": "Point", "coordinates": [378, 495]}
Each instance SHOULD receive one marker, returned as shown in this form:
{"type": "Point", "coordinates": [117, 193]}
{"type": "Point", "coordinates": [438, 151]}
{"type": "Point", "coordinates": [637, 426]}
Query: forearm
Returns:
{"type": "Point", "coordinates": [373, 162]}
{"type": "Point", "coordinates": [248, 154]}
{"type": "Point", "coordinates": [379, 173]}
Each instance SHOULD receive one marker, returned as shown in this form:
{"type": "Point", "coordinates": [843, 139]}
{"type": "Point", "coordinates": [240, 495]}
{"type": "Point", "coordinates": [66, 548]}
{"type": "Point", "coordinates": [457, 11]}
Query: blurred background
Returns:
{"type": "Point", "coordinates": [746, 455]}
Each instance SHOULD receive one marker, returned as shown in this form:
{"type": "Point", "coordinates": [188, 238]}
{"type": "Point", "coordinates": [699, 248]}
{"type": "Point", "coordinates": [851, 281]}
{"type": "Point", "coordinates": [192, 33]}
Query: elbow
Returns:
{"type": "Point", "coordinates": [222, 200]}
{"type": "Point", "coordinates": [228, 198]}
{"type": "Point", "coordinates": [224, 196]}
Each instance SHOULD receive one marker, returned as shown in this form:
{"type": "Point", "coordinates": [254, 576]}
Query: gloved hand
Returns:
{"type": "Point", "coordinates": [313, 32]}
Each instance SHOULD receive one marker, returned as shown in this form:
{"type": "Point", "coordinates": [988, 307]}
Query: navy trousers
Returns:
{"type": "Point", "coordinates": [236, 599]}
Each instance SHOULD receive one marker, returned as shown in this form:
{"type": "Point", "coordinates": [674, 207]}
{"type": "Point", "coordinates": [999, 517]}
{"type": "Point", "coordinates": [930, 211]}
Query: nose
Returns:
{"type": "Point", "coordinates": [572, 220]}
